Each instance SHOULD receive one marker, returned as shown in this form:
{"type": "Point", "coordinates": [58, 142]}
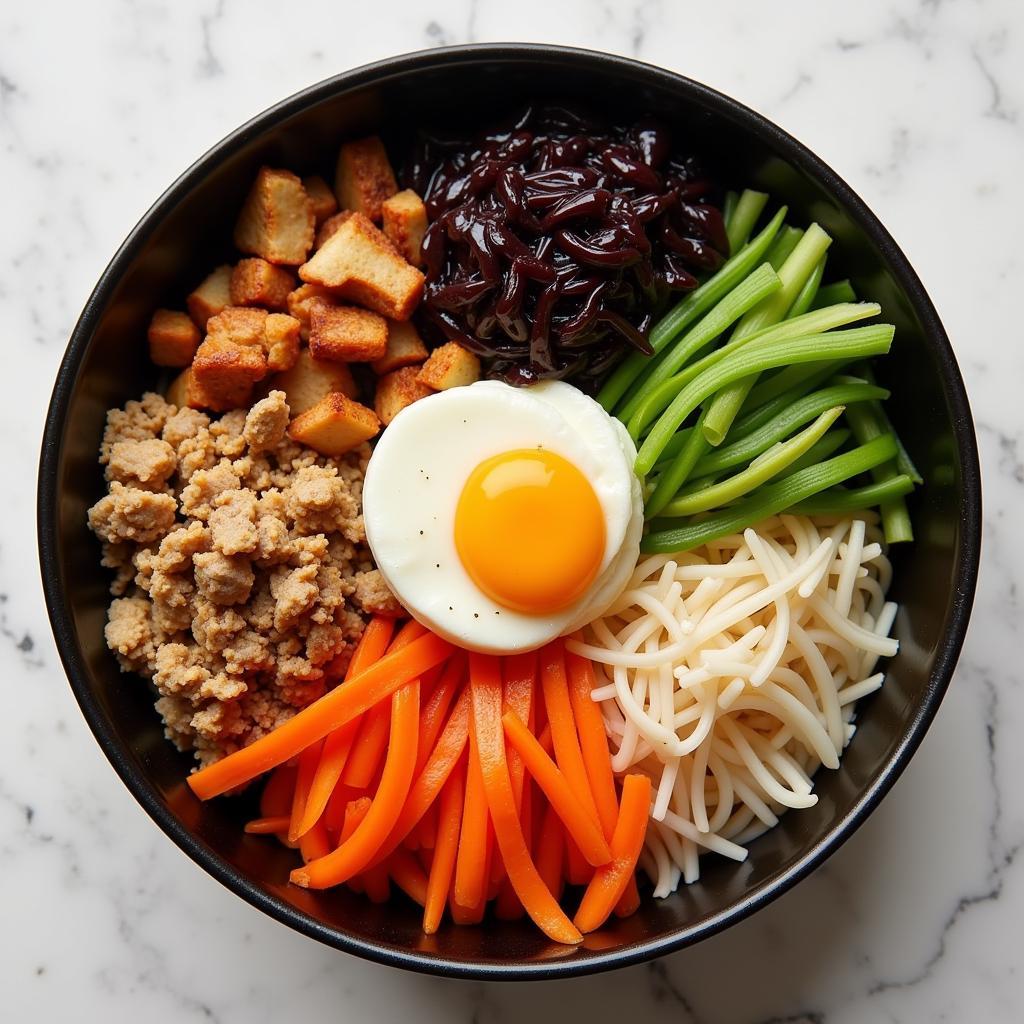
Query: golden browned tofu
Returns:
{"type": "Point", "coordinates": [450, 366]}
{"type": "Point", "coordinates": [405, 348]}
{"type": "Point", "coordinates": [240, 325]}
{"type": "Point", "coordinates": [329, 226]}
{"type": "Point", "coordinates": [363, 178]}
{"type": "Point", "coordinates": [185, 391]}
{"type": "Point", "coordinates": [397, 390]}
{"type": "Point", "coordinates": [255, 282]}
{"type": "Point", "coordinates": [281, 341]}
{"type": "Point", "coordinates": [212, 296]}
{"type": "Point", "coordinates": [173, 338]}
{"type": "Point", "coordinates": [312, 379]}
{"type": "Point", "coordinates": [224, 372]}
{"type": "Point", "coordinates": [360, 265]}
{"type": "Point", "coordinates": [277, 220]}
{"type": "Point", "coordinates": [321, 196]}
{"type": "Point", "coordinates": [334, 425]}
{"type": "Point", "coordinates": [405, 223]}
{"type": "Point", "coordinates": [304, 300]}
{"type": "Point", "coordinates": [347, 334]}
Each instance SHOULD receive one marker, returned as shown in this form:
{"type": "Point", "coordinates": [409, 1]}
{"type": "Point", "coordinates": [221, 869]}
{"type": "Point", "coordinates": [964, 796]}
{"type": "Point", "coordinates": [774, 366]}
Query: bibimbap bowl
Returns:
{"type": "Point", "coordinates": [933, 582]}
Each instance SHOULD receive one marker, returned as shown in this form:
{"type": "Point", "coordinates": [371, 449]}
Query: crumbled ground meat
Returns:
{"type": "Point", "coordinates": [242, 576]}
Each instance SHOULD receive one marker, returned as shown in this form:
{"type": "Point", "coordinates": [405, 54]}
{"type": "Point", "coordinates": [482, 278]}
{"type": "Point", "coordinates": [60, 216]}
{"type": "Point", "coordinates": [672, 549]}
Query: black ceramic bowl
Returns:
{"type": "Point", "coordinates": [188, 231]}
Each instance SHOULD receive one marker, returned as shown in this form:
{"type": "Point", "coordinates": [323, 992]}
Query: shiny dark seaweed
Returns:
{"type": "Point", "coordinates": [555, 240]}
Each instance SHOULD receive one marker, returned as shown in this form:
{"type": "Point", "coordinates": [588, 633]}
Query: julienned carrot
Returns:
{"type": "Point", "coordinates": [372, 738]}
{"type": "Point", "coordinates": [405, 871]}
{"type": "Point", "coordinates": [577, 870]}
{"type": "Point", "coordinates": [610, 881]}
{"type": "Point", "coordinates": [353, 855]}
{"type": "Point", "coordinates": [564, 736]}
{"type": "Point", "coordinates": [578, 823]}
{"type": "Point", "coordinates": [425, 790]}
{"type": "Point", "coordinates": [308, 760]}
{"type": "Point", "coordinates": [449, 825]}
{"type": "Point", "coordinates": [593, 740]}
{"type": "Point", "coordinates": [367, 748]}
{"type": "Point", "coordinates": [539, 903]}
{"type": "Point", "coordinates": [337, 746]}
{"type": "Point", "coordinates": [471, 863]}
{"type": "Point", "coordinates": [377, 884]}
{"type": "Point", "coordinates": [334, 709]}
{"type": "Point", "coordinates": [435, 708]}
{"type": "Point", "coordinates": [276, 798]}
{"type": "Point", "coordinates": [315, 843]}
{"type": "Point", "coordinates": [267, 826]}
{"type": "Point", "coordinates": [426, 830]}
{"type": "Point", "coordinates": [334, 812]}
{"type": "Point", "coordinates": [597, 758]}
{"type": "Point", "coordinates": [550, 852]}
{"type": "Point", "coordinates": [520, 675]}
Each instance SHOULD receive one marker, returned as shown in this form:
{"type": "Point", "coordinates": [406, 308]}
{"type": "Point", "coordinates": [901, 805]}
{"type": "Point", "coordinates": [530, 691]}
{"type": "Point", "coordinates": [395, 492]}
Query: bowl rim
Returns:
{"type": "Point", "coordinates": [48, 504]}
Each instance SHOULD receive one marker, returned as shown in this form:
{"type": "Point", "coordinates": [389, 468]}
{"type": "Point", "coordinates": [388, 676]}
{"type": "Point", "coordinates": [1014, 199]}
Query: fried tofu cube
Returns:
{"type": "Point", "coordinates": [282, 339]}
{"type": "Point", "coordinates": [224, 373]}
{"type": "Point", "coordinates": [334, 425]}
{"type": "Point", "coordinates": [185, 391]}
{"type": "Point", "coordinates": [304, 300]}
{"type": "Point", "coordinates": [255, 282]}
{"type": "Point", "coordinates": [397, 390]}
{"type": "Point", "coordinates": [450, 366]}
{"type": "Point", "coordinates": [347, 334]}
{"type": "Point", "coordinates": [358, 263]}
{"type": "Point", "coordinates": [240, 325]}
{"type": "Point", "coordinates": [277, 220]}
{"type": "Point", "coordinates": [405, 348]}
{"type": "Point", "coordinates": [405, 223]}
{"type": "Point", "coordinates": [363, 178]}
{"type": "Point", "coordinates": [321, 196]}
{"type": "Point", "coordinates": [329, 226]}
{"type": "Point", "coordinates": [310, 380]}
{"type": "Point", "coordinates": [173, 338]}
{"type": "Point", "coordinates": [211, 297]}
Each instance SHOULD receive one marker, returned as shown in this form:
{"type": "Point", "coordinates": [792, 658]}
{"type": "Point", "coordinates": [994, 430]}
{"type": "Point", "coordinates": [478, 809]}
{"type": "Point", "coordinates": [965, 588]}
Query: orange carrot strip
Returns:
{"type": "Point", "coordinates": [367, 748]}
{"type": "Point", "coordinates": [267, 826]}
{"type": "Point", "coordinates": [377, 884]}
{"type": "Point", "coordinates": [610, 880]}
{"type": "Point", "coordinates": [577, 870]}
{"type": "Point", "coordinates": [405, 871]}
{"type": "Point", "coordinates": [568, 755]}
{"type": "Point", "coordinates": [436, 707]}
{"type": "Point", "coordinates": [355, 811]}
{"type": "Point", "coordinates": [550, 852]}
{"type": "Point", "coordinates": [308, 761]}
{"type": "Point", "coordinates": [471, 863]}
{"type": "Point", "coordinates": [556, 788]}
{"type": "Point", "coordinates": [427, 787]}
{"type": "Point", "coordinates": [426, 831]}
{"type": "Point", "coordinates": [593, 741]}
{"type": "Point", "coordinates": [442, 868]}
{"type": "Point", "coordinates": [489, 741]}
{"type": "Point", "coordinates": [372, 738]}
{"type": "Point", "coordinates": [334, 812]}
{"type": "Point", "coordinates": [337, 746]}
{"type": "Point", "coordinates": [629, 903]}
{"type": "Point", "coordinates": [544, 739]}
{"type": "Point", "coordinates": [520, 673]}
{"type": "Point", "coordinates": [276, 798]}
{"type": "Point", "coordinates": [467, 915]}
{"type": "Point", "coordinates": [315, 843]}
{"type": "Point", "coordinates": [312, 723]}
{"type": "Point", "coordinates": [356, 853]}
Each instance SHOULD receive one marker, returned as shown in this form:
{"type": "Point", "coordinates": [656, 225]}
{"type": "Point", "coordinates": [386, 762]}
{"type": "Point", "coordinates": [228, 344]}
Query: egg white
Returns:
{"type": "Point", "coordinates": [415, 478]}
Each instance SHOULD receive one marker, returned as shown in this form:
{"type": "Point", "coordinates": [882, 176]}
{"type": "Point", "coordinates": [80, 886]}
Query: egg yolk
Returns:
{"type": "Point", "coordinates": [530, 531]}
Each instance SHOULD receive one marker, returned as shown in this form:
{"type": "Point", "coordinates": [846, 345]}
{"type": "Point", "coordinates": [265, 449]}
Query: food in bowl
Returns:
{"type": "Point", "coordinates": [564, 636]}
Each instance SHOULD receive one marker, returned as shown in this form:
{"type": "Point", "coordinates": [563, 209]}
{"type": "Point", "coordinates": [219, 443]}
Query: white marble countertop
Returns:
{"type": "Point", "coordinates": [917, 104]}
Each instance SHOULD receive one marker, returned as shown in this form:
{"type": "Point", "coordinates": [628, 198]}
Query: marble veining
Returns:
{"type": "Point", "coordinates": [917, 103]}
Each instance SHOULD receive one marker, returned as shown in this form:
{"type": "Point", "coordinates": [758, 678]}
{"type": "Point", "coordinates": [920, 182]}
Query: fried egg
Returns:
{"type": "Point", "coordinates": [503, 517]}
